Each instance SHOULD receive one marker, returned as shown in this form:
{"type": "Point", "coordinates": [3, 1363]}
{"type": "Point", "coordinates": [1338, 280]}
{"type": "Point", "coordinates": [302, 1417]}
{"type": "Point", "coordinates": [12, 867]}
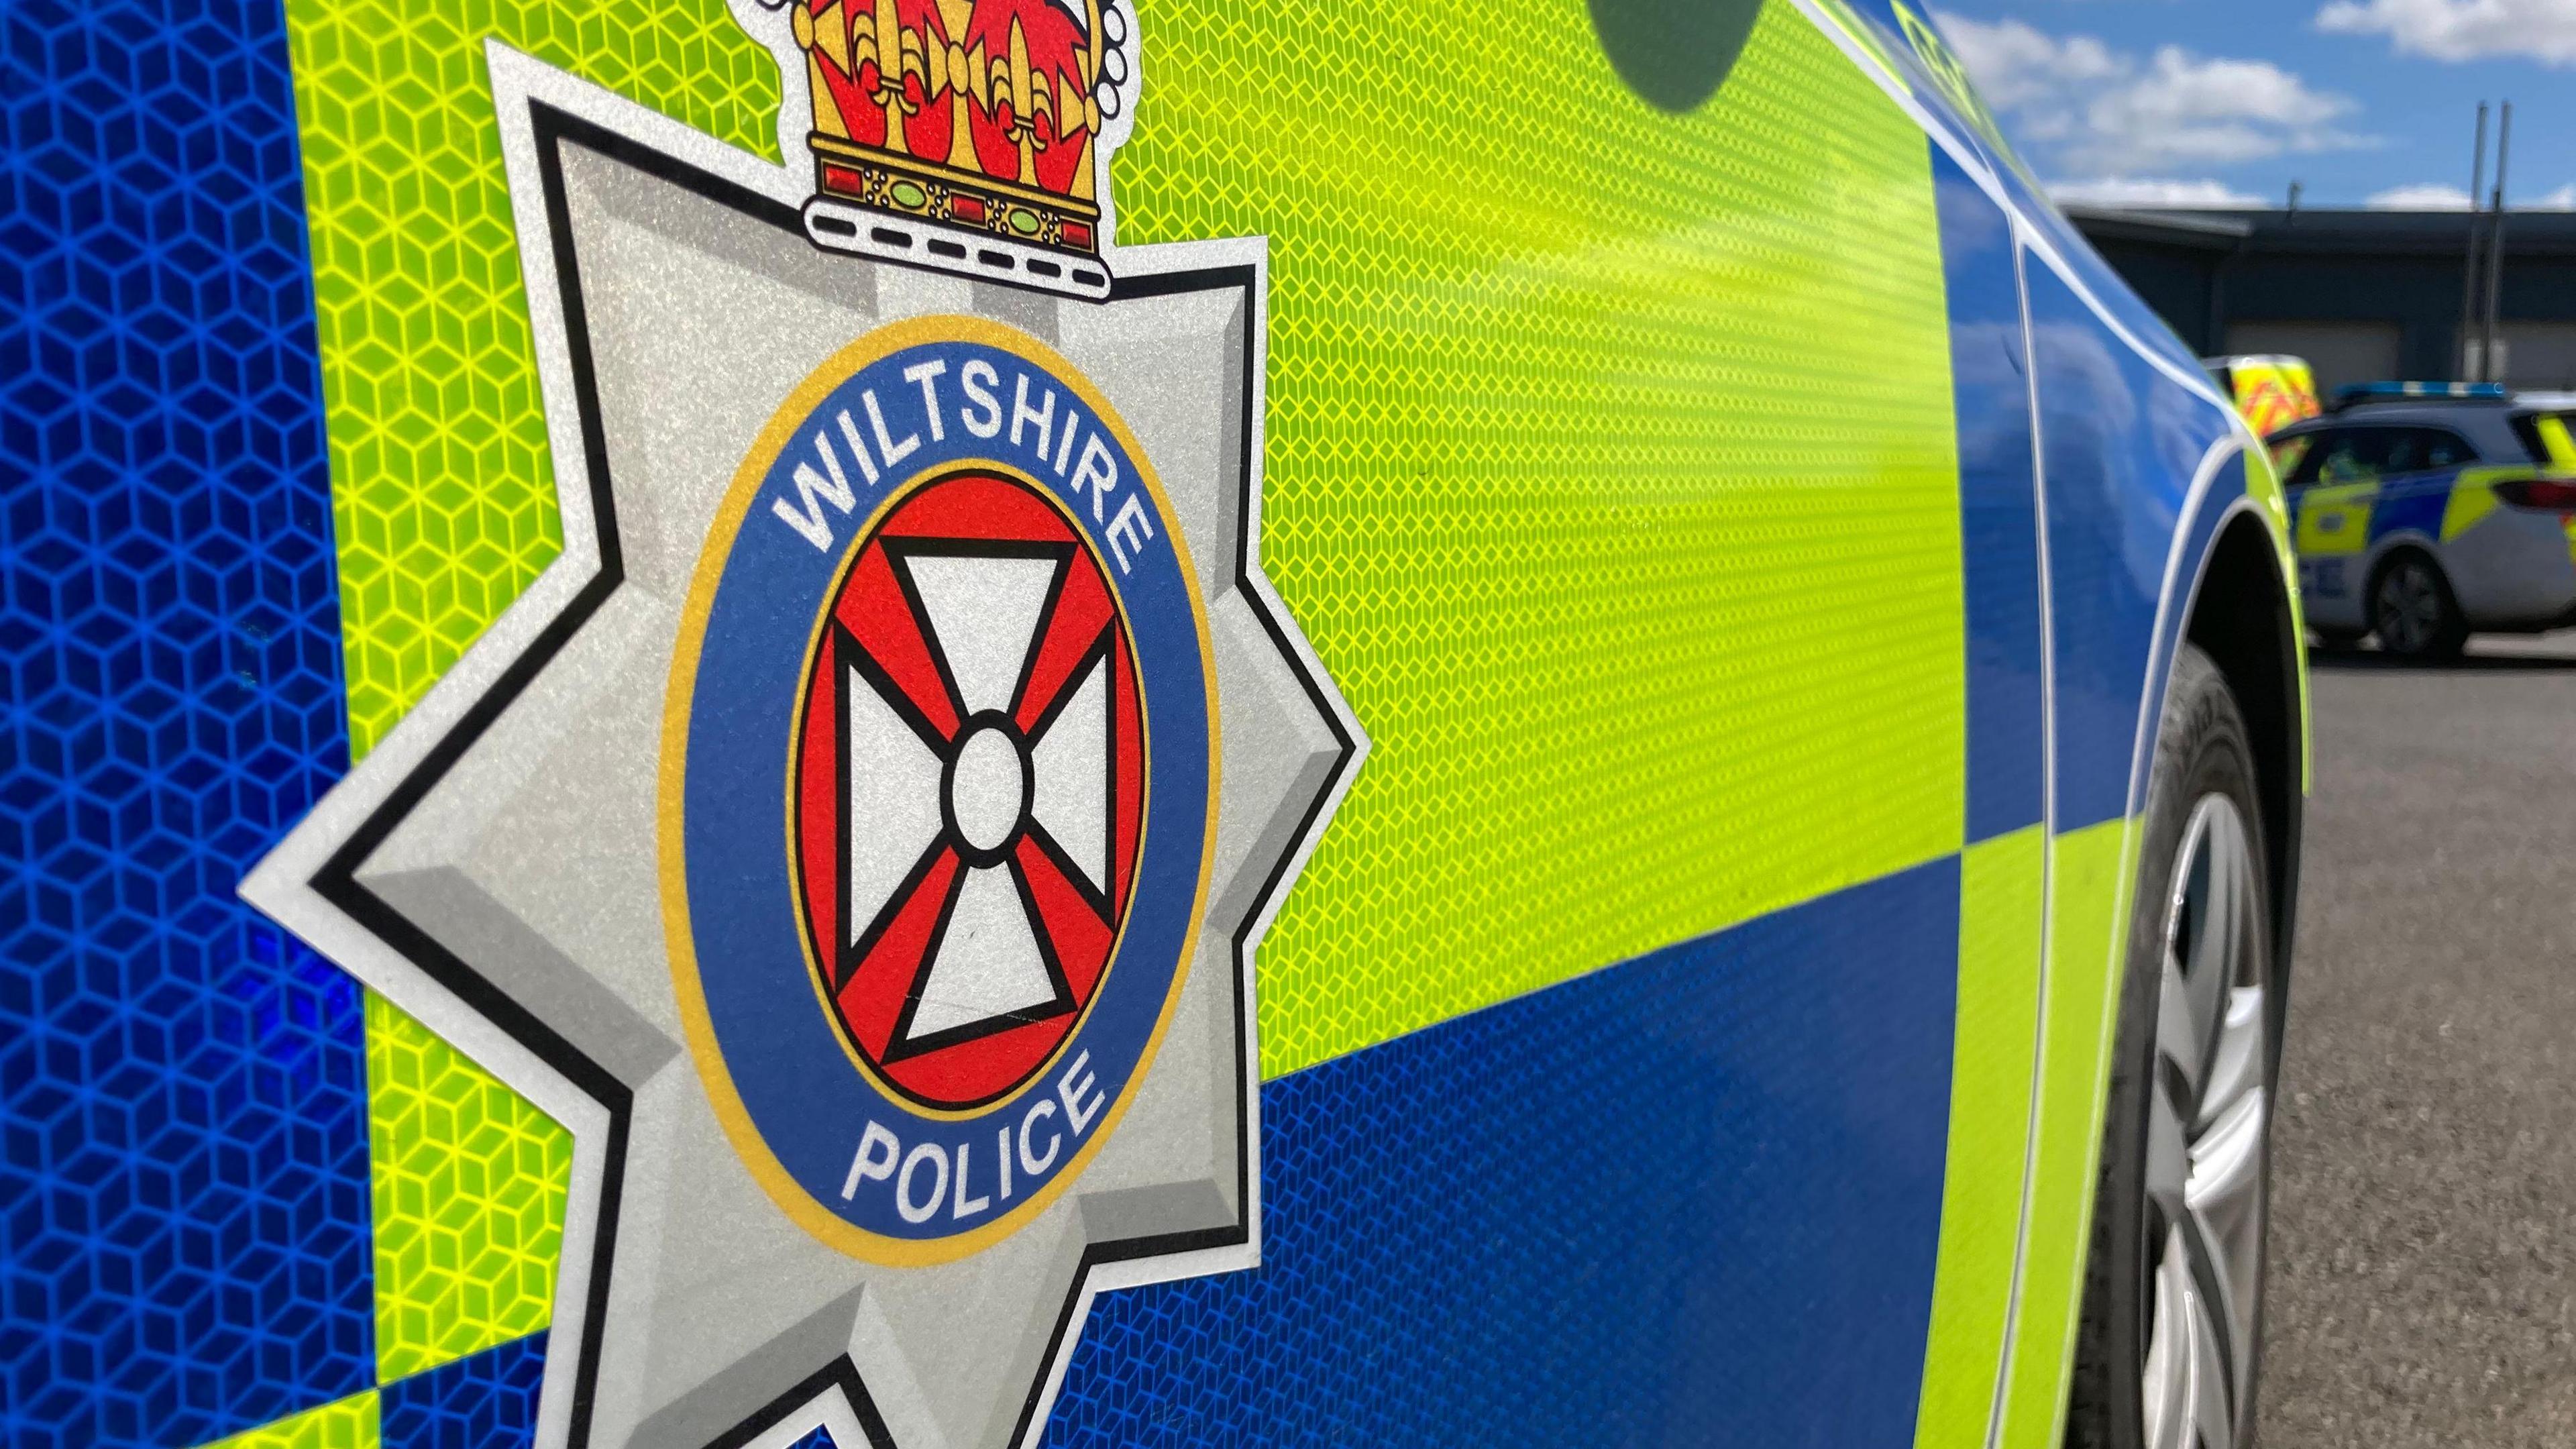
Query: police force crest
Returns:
{"type": "Point", "coordinates": [859, 836]}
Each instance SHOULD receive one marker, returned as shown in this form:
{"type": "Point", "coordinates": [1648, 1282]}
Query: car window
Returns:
{"type": "Point", "coordinates": [2347, 455]}
{"type": "Point", "coordinates": [2326, 456]}
{"type": "Point", "coordinates": [2415, 450]}
{"type": "Point", "coordinates": [2287, 454]}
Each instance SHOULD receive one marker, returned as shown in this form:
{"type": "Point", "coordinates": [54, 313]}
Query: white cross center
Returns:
{"type": "Point", "coordinates": [988, 788]}
{"type": "Point", "coordinates": [980, 790]}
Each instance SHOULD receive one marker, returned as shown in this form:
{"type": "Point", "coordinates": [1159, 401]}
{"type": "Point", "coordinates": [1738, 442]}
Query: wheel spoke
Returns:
{"type": "Point", "coordinates": [2165, 1398]}
{"type": "Point", "coordinates": [2225, 1200]}
{"type": "Point", "coordinates": [2208, 1113]}
{"type": "Point", "coordinates": [2230, 878]}
{"type": "Point", "coordinates": [2213, 1414]}
{"type": "Point", "coordinates": [2168, 1150]}
{"type": "Point", "coordinates": [2237, 1066]}
{"type": "Point", "coordinates": [2178, 1029]}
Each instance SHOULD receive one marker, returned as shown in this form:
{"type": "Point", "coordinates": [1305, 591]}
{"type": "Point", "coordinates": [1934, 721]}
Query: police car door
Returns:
{"type": "Point", "coordinates": [2333, 486]}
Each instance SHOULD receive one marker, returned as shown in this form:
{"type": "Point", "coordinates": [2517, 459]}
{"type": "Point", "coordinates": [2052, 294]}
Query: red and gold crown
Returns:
{"type": "Point", "coordinates": [981, 114]}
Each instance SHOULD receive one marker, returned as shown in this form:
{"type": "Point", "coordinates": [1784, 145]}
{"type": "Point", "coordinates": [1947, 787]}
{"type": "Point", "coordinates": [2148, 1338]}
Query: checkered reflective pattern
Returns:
{"type": "Point", "coordinates": [186, 1229]}
{"type": "Point", "coordinates": [183, 1205]}
{"type": "Point", "coordinates": [187, 1247]}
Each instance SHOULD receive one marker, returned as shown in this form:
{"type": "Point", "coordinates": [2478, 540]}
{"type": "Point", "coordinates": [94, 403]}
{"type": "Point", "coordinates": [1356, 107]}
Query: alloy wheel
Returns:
{"type": "Point", "coordinates": [2409, 609]}
{"type": "Point", "coordinates": [2208, 1137]}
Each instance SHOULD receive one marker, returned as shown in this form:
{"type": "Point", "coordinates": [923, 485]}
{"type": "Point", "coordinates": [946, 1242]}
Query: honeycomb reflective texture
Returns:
{"type": "Point", "coordinates": [1608, 469]}
{"type": "Point", "coordinates": [486, 1401]}
{"type": "Point", "coordinates": [1568, 463]}
{"type": "Point", "coordinates": [445, 491]}
{"type": "Point", "coordinates": [183, 1205]}
{"type": "Point", "coordinates": [1651, 608]}
{"type": "Point", "coordinates": [469, 1183]}
{"type": "Point", "coordinates": [348, 1423]}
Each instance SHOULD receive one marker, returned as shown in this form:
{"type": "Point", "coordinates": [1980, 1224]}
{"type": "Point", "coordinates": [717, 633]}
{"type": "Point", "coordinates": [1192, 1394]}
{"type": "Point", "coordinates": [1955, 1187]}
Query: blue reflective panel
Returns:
{"type": "Point", "coordinates": [2413, 504]}
{"type": "Point", "coordinates": [1692, 1199]}
{"type": "Point", "coordinates": [1998, 509]}
{"type": "Point", "coordinates": [2119, 444]}
{"type": "Point", "coordinates": [183, 1207]}
{"type": "Point", "coordinates": [484, 1400]}
{"type": "Point", "coordinates": [2106, 285]}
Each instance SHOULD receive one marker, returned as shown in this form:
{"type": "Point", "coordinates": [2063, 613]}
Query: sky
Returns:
{"type": "Point", "coordinates": [2227, 102]}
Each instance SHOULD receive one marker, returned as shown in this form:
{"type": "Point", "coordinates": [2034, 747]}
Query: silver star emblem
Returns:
{"type": "Point", "coordinates": [492, 868]}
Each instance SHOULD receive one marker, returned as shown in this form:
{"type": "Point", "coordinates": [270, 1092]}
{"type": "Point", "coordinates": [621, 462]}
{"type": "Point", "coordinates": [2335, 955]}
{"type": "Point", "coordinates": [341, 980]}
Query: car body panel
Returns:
{"type": "Point", "coordinates": [1754, 540]}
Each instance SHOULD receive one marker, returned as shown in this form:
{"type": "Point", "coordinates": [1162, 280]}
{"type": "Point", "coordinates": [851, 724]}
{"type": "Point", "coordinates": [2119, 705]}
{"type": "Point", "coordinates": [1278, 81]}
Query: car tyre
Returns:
{"type": "Point", "coordinates": [2169, 1346]}
{"type": "Point", "coordinates": [2413, 610]}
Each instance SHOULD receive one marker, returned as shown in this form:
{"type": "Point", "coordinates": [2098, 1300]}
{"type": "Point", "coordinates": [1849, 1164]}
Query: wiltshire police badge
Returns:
{"type": "Point", "coordinates": [859, 836]}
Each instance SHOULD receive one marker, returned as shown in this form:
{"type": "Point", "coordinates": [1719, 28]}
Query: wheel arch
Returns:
{"type": "Point", "coordinates": [2242, 616]}
{"type": "Point", "coordinates": [2392, 548]}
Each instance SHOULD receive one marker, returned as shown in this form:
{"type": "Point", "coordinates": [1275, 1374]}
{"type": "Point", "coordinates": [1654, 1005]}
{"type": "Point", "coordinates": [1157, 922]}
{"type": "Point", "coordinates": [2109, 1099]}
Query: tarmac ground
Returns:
{"type": "Point", "coordinates": [2423, 1265]}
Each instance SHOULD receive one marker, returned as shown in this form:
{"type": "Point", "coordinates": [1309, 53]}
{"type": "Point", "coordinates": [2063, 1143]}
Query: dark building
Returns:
{"type": "Point", "coordinates": [2362, 295]}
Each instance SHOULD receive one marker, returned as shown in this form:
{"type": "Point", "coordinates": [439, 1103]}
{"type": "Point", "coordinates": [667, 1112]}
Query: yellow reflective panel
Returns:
{"type": "Point", "coordinates": [350, 1423]}
{"type": "Point", "coordinates": [2091, 875]}
{"type": "Point", "coordinates": [1617, 488]}
{"type": "Point", "coordinates": [2473, 498]}
{"type": "Point", "coordinates": [2335, 518]}
{"type": "Point", "coordinates": [1616, 491]}
{"type": "Point", "coordinates": [2555, 442]}
{"type": "Point", "coordinates": [441, 478]}
{"type": "Point", "coordinates": [2263, 484]}
{"type": "Point", "coordinates": [469, 1182]}
{"type": "Point", "coordinates": [2001, 883]}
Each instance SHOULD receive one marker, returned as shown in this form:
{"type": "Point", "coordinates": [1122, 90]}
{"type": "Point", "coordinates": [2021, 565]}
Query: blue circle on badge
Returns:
{"type": "Point", "coordinates": [944, 813]}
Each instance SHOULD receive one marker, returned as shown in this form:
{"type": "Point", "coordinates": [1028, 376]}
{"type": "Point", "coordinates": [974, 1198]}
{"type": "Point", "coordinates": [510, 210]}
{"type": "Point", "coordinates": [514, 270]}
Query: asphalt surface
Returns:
{"type": "Point", "coordinates": [2423, 1277]}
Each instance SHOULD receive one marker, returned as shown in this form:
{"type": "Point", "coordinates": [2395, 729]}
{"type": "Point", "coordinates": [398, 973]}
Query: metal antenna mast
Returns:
{"type": "Point", "coordinates": [2495, 249]}
{"type": "Point", "coordinates": [2470, 360]}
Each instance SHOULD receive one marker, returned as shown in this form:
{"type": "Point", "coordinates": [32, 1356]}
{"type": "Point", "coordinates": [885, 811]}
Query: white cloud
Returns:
{"type": "Point", "coordinates": [2016, 64]}
{"type": "Point", "coordinates": [2434, 196]}
{"type": "Point", "coordinates": [2150, 192]}
{"type": "Point", "coordinates": [2542, 30]}
{"type": "Point", "coordinates": [2099, 110]}
{"type": "Point", "coordinates": [2421, 196]}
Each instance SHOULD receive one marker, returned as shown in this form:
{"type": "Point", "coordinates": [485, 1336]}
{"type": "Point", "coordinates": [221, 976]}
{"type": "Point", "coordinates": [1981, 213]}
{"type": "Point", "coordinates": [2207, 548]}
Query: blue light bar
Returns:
{"type": "Point", "coordinates": [2381, 391]}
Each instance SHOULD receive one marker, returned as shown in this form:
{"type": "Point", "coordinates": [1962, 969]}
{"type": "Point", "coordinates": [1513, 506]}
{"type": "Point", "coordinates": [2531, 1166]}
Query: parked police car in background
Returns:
{"type": "Point", "coordinates": [1576, 738]}
{"type": "Point", "coordinates": [2427, 511]}
{"type": "Point", "coordinates": [2271, 391]}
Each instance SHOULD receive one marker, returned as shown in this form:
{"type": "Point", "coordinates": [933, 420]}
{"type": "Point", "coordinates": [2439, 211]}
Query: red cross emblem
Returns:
{"type": "Point", "coordinates": [969, 789]}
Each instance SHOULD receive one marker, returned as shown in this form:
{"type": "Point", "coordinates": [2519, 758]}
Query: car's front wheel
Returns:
{"type": "Point", "coordinates": [2170, 1343]}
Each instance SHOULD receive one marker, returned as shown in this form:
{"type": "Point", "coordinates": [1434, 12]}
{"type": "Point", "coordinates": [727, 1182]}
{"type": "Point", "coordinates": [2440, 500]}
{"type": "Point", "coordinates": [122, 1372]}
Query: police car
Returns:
{"type": "Point", "coordinates": [2428, 511]}
{"type": "Point", "coordinates": [1111, 722]}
